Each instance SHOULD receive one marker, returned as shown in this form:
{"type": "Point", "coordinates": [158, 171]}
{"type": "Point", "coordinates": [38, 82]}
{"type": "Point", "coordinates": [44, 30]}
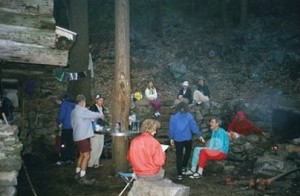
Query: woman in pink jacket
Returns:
{"type": "Point", "coordinates": [145, 153]}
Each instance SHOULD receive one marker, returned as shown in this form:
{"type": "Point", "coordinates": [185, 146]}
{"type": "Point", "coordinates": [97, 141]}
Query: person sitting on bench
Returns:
{"type": "Point", "coordinates": [146, 154]}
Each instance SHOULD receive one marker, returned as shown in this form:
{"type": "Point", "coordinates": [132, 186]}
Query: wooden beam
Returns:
{"type": "Point", "coordinates": [30, 6]}
{"type": "Point", "coordinates": [27, 33]}
{"type": "Point", "coordinates": [12, 51]}
{"type": "Point", "coordinates": [19, 18]}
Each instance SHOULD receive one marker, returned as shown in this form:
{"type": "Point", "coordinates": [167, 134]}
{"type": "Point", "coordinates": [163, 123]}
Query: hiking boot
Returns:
{"type": "Point", "coordinates": [179, 177]}
{"type": "Point", "coordinates": [189, 172]}
{"type": "Point", "coordinates": [69, 162]}
{"type": "Point", "coordinates": [59, 163]}
{"type": "Point", "coordinates": [196, 175]}
{"type": "Point", "coordinates": [84, 181]}
{"type": "Point", "coordinates": [184, 171]}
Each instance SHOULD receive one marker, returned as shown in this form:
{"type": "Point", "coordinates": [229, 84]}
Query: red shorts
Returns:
{"type": "Point", "coordinates": [83, 145]}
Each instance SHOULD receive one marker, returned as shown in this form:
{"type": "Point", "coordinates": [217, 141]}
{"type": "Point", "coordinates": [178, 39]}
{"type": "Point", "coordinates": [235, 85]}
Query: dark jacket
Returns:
{"type": "Point", "coordinates": [188, 94]}
{"type": "Point", "coordinates": [204, 89]}
{"type": "Point", "coordinates": [99, 121]}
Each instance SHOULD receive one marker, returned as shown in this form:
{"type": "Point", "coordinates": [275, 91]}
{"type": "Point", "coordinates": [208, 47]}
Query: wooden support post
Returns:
{"type": "Point", "coordinates": [119, 151]}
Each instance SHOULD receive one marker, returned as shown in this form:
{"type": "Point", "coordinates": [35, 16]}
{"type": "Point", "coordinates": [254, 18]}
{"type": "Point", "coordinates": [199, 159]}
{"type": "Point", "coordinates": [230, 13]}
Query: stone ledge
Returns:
{"type": "Point", "coordinates": [162, 187]}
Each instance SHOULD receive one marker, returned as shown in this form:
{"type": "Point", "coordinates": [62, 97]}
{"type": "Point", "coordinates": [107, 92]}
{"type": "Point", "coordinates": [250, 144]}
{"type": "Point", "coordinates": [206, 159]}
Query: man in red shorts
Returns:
{"type": "Point", "coordinates": [81, 120]}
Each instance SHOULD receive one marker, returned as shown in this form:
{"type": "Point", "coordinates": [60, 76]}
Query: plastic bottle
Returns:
{"type": "Point", "coordinates": [118, 126]}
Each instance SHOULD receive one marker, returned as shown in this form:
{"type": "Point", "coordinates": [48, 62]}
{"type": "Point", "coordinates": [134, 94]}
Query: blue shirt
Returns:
{"type": "Point", "coordinates": [64, 114]}
{"type": "Point", "coordinates": [183, 126]}
{"type": "Point", "coordinates": [219, 140]}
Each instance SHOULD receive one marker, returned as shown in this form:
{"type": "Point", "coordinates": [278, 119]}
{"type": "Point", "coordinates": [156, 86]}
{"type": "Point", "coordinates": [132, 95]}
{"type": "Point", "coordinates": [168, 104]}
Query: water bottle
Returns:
{"type": "Point", "coordinates": [118, 127]}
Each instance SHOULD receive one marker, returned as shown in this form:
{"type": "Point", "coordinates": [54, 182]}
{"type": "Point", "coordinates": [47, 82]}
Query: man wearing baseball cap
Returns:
{"type": "Point", "coordinates": [97, 142]}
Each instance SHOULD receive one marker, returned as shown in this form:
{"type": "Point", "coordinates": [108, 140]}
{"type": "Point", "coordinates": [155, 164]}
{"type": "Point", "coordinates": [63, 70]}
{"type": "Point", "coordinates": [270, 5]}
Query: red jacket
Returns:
{"type": "Point", "coordinates": [243, 127]}
{"type": "Point", "coordinates": [146, 155]}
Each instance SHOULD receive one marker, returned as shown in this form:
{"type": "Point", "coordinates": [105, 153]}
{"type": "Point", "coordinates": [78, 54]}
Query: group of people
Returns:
{"type": "Point", "coordinates": [199, 96]}
{"type": "Point", "coordinates": [80, 128]}
{"type": "Point", "coordinates": [147, 157]}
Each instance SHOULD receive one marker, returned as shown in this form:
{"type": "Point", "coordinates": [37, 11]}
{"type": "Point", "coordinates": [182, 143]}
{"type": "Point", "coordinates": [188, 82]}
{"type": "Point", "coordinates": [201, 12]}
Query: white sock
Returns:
{"type": "Point", "coordinates": [82, 173]}
{"type": "Point", "coordinates": [200, 170]}
{"type": "Point", "coordinates": [77, 170]}
{"type": "Point", "coordinates": [193, 168]}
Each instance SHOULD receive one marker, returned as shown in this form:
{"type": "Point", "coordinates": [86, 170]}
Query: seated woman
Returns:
{"type": "Point", "coordinates": [151, 95]}
{"type": "Point", "coordinates": [184, 94]}
{"type": "Point", "coordinates": [146, 154]}
{"type": "Point", "coordinates": [240, 125]}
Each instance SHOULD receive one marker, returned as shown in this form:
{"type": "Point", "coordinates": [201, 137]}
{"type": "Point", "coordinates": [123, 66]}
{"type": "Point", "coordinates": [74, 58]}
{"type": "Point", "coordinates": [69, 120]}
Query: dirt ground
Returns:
{"type": "Point", "coordinates": [48, 179]}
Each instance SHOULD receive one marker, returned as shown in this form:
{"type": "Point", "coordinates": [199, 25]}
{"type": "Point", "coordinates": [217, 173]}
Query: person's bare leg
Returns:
{"type": "Point", "coordinates": [84, 162]}
{"type": "Point", "coordinates": [80, 160]}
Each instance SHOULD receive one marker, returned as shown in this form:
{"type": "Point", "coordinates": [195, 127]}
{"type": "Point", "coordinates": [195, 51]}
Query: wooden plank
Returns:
{"type": "Point", "coordinates": [28, 35]}
{"type": "Point", "coordinates": [16, 18]}
{"type": "Point", "coordinates": [31, 53]}
{"type": "Point", "coordinates": [30, 6]}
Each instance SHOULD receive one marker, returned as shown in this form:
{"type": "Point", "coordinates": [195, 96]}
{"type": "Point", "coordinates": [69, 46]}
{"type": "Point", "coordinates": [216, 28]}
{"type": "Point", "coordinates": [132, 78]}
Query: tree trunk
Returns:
{"type": "Point", "coordinates": [121, 90]}
{"type": "Point", "coordinates": [79, 53]}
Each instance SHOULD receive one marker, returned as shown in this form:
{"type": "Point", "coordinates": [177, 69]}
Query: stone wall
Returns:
{"type": "Point", "coordinates": [36, 114]}
{"type": "Point", "coordinates": [10, 159]}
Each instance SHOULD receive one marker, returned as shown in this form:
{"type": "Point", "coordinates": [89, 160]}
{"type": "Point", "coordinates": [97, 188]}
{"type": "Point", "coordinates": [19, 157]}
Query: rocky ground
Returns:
{"type": "Point", "coordinates": [41, 176]}
{"type": "Point", "coordinates": [48, 179]}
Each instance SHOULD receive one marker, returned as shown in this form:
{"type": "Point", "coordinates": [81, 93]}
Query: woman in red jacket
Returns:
{"type": "Point", "coordinates": [145, 153]}
{"type": "Point", "coordinates": [240, 125]}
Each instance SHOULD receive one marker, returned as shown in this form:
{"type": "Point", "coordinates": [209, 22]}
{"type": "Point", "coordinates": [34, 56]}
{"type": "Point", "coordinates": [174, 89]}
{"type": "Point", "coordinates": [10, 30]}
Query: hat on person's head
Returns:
{"type": "Point", "coordinates": [201, 78]}
{"type": "Point", "coordinates": [64, 97]}
{"type": "Point", "coordinates": [98, 96]}
{"type": "Point", "coordinates": [185, 83]}
{"type": "Point", "coordinates": [240, 115]}
{"type": "Point", "coordinates": [80, 98]}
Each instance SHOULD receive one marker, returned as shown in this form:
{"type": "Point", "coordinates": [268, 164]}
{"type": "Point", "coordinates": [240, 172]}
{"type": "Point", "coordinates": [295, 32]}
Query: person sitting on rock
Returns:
{"type": "Point", "coordinates": [240, 125]}
{"type": "Point", "coordinates": [151, 95]}
{"type": "Point", "coordinates": [184, 94]}
{"type": "Point", "coordinates": [137, 96]}
{"type": "Point", "coordinates": [217, 149]}
{"type": "Point", "coordinates": [146, 154]}
{"type": "Point", "coordinates": [202, 94]}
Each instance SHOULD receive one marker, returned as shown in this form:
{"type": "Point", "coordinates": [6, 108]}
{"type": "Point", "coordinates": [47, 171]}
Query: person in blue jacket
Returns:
{"type": "Point", "coordinates": [217, 149]}
{"type": "Point", "coordinates": [181, 130]}
{"type": "Point", "coordinates": [63, 119]}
